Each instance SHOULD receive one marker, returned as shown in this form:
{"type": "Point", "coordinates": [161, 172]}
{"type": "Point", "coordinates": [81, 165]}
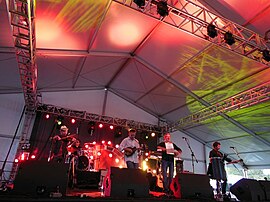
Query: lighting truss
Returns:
{"type": "Point", "coordinates": [22, 16]}
{"type": "Point", "coordinates": [194, 19]}
{"type": "Point", "coordinates": [245, 99]}
{"type": "Point", "coordinates": [60, 111]}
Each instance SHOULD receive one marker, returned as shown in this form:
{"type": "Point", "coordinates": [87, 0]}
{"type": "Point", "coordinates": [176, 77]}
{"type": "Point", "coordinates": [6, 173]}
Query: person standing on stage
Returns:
{"type": "Point", "coordinates": [215, 153]}
{"type": "Point", "coordinates": [169, 151]}
{"type": "Point", "coordinates": [130, 146]}
{"type": "Point", "coordinates": [60, 143]}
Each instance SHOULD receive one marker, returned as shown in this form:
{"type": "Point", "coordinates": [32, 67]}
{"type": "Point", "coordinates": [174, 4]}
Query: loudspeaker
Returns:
{"type": "Point", "coordinates": [41, 178]}
{"type": "Point", "coordinates": [248, 190]}
{"type": "Point", "coordinates": [266, 188]}
{"type": "Point", "coordinates": [192, 186]}
{"type": "Point", "coordinates": [125, 182]}
{"type": "Point", "coordinates": [88, 179]}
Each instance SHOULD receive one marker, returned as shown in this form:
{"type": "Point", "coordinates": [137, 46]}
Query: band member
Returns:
{"type": "Point", "coordinates": [60, 143]}
{"type": "Point", "coordinates": [130, 146]}
{"type": "Point", "coordinates": [169, 151]}
{"type": "Point", "coordinates": [215, 153]}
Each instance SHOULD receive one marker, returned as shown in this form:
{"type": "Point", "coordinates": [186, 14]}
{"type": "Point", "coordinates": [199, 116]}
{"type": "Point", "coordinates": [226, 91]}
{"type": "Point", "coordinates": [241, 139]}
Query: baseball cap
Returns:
{"type": "Point", "coordinates": [63, 128]}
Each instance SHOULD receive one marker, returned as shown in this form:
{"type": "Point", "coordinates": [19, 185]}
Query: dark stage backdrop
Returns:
{"type": "Point", "coordinates": [44, 128]}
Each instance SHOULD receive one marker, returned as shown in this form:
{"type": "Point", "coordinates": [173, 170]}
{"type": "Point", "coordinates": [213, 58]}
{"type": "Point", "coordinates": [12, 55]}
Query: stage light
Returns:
{"type": "Point", "coordinates": [139, 3]}
{"type": "Point", "coordinates": [103, 141]}
{"type": "Point", "coordinates": [100, 125]}
{"type": "Point", "coordinates": [117, 146]}
{"type": "Point", "coordinates": [99, 153]}
{"type": "Point", "coordinates": [111, 127]}
{"type": "Point", "coordinates": [91, 128]}
{"type": "Point", "coordinates": [16, 160]}
{"type": "Point", "coordinates": [118, 131]}
{"type": "Point", "coordinates": [33, 157]}
{"type": "Point", "coordinates": [117, 160]}
{"type": "Point", "coordinates": [109, 143]}
{"type": "Point", "coordinates": [162, 8]}
{"type": "Point", "coordinates": [266, 55]}
{"type": "Point", "coordinates": [47, 116]}
{"type": "Point", "coordinates": [153, 134]}
{"type": "Point", "coordinates": [211, 31]}
{"type": "Point", "coordinates": [110, 155]}
{"type": "Point", "coordinates": [229, 39]}
{"type": "Point", "coordinates": [73, 121]}
{"type": "Point", "coordinates": [59, 120]}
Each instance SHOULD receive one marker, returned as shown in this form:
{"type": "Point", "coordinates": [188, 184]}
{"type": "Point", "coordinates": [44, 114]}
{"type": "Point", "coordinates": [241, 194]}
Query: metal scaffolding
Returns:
{"type": "Point", "coordinates": [194, 19]}
{"type": "Point", "coordinates": [22, 19]}
{"type": "Point", "coordinates": [245, 99]}
{"type": "Point", "coordinates": [82, 115]}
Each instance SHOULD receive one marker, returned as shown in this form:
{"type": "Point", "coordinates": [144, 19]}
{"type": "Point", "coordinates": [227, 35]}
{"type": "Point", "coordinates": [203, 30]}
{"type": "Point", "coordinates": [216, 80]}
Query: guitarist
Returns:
{"type": "Point", "coordinates": [169, 151]}
{"type": "Point", "coordinates": [60, 143]}
{"type": "Point", "coordinates": [130, 146]}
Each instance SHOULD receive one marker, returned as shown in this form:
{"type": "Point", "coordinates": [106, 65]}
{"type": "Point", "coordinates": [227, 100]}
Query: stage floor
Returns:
{"type": "Point", "coordinates": [92, 195]}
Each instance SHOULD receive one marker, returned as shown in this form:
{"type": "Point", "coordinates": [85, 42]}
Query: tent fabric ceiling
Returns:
{"type": "Point", "coordinates": [169, 73]}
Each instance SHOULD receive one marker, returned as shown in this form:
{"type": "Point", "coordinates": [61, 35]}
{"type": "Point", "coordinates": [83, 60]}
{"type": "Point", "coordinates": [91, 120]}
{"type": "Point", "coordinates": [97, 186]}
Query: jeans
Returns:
{"type": "Point", "coordinates": [132, 165]}
{"type": "Point", "coordinates": [167, 179]}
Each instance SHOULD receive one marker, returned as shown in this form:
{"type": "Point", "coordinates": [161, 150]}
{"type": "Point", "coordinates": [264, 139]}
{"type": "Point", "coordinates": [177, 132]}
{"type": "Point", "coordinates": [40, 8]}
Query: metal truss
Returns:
{"type": "Point", "coordinates": [22, 19]}
{"type": "Point", "coordinates": [194, 19]}
{"type": "Point", "coordinates": [245, 99]}
{"type": "Point", "coordinates": [60, 111]}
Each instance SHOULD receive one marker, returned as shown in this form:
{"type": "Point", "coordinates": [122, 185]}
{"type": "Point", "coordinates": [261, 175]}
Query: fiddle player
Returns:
{"type": "Point", "coordinates": [60, 143]}
{"type": "Point", "coordinates": [169, 151]}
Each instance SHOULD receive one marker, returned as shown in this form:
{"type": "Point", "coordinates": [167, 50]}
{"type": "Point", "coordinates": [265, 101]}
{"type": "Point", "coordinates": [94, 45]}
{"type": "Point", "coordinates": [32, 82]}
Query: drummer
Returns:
{"type": "Point", "coordinates": [74, 148]}
{"type": "Point", "coordinates": [215, 153]}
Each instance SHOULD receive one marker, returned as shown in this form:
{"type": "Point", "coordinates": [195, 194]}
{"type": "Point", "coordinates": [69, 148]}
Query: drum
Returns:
{"type": "Point", "coordinates": [219, 172]}
{"type": "Point", "coordinates": [83, 163]}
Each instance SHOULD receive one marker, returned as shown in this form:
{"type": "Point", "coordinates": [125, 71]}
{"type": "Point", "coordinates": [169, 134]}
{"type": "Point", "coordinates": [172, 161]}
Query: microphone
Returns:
{"type": "Point", "coordinates": [232, 147]}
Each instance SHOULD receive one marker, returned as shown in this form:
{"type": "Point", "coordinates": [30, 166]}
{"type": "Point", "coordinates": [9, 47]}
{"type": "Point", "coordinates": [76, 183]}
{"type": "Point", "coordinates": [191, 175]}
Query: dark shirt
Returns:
{"type": "Point", "coordinates": [168, 157]}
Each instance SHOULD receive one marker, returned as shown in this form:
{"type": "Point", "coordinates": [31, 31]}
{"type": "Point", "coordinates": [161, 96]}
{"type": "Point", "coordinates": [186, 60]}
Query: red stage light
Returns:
{"type": "Point", "coordinates": [100, 125]}
{"type": "Point", "coordinates": [109, 142]}
{"type": "Point", "coordinates": [47, 116]}
{"type": "Point", "coordinates": [117, 146]}
{"type": "Point", "coordinates": [73, 121]}
{"type": "Point", "coordinates": [16, 160]}
{"type": "Point", "coordinates": [33, 156]}
{"type": "Point", "coordinates": [110, 155]}
{"type": "Point", "coordinates": [103, 141]}
{"type": "Point", "coordinates": [111, 127]}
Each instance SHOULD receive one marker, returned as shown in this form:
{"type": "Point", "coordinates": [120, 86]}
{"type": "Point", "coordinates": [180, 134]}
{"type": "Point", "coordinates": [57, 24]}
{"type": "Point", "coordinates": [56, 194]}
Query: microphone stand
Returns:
{"type": "Point", "coordinates": [193, 157]}
{"type": "Point", "coordinates": [241, 160]}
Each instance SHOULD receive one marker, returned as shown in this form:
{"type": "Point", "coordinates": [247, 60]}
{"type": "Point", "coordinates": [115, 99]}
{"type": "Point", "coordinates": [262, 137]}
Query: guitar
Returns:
{"type": "Point", "coordinates": [129, 151]}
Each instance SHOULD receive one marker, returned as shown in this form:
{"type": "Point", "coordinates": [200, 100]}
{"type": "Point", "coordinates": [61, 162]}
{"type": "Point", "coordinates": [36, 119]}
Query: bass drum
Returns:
{"type": "Point", "coordinates": [83, 163]}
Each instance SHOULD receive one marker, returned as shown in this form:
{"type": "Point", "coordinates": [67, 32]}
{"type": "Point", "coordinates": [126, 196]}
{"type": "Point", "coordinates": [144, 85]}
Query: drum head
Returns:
{"type": "Point", "coordinates": [83, 163]}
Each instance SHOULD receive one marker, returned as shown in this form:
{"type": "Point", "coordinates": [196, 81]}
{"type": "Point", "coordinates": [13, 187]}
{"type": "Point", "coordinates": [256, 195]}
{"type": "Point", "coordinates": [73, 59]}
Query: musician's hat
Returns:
{"type": "Point", "coordinates": [132, 130]}
{"type": "Point", "coordinates": [63, 128]}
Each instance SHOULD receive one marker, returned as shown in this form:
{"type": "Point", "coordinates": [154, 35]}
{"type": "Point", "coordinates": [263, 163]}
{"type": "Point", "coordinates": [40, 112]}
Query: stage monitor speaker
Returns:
{"type": "Point", "coordinates": [124, 182]}
{"type": "Point", "coordinates": [266, 188]}
{"type": "Point", "coordinates": [41, 178]}
{"type": "Point", "coordinates": [88, 179]}
{"type": "Point", "coordinates": [248, 190]}
{"type": "Point", "coordinates": [192, 186]}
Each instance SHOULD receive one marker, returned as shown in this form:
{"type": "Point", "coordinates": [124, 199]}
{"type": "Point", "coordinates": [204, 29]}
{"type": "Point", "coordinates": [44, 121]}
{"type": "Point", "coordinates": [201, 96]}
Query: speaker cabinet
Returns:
{"type": "Point", "coordinates": [266, 188]}
{"type": "Point", "coordinates": [189, 186]}
{"type": "Point", "coordinates": [126, 182]}
{"type": "Point", "coordinates": [40, 178]}
{"type": "Point", "coordinates": [88, 179]}
{"type": "Point", "coordinates": [248, 190]}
